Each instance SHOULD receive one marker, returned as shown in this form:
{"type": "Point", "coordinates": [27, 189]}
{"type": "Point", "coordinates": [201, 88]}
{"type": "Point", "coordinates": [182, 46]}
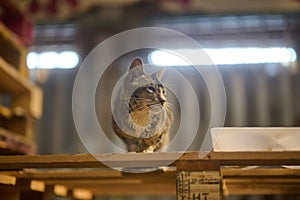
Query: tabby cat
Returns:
{"type": "Point", "coordinates": [142, 117]}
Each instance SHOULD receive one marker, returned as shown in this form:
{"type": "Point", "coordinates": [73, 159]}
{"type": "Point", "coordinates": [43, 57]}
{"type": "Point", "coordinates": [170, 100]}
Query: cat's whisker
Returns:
{"type": "Point", "coordinates": [169, 105]}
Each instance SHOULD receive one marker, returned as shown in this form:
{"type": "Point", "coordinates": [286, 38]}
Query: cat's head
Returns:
{"type": "Point", "coordinates": [147, 91]}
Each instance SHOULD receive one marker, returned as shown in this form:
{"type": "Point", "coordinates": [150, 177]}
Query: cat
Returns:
{"type": "Point", "coordinates": [142, 117]}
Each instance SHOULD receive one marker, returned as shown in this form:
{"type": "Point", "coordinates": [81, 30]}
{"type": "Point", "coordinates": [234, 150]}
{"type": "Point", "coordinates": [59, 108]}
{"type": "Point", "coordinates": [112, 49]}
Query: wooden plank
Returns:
{"type": "Point", "coordinates": [65, 174]}
{"type": "Point", "coordinates": [5, 112]}
{"type": "Point", "coordinates": [197, 165]}
{"type": "Point", "coordinates": [104, 182]}
{"type": "Point", "coordinates": [147, 159]}
{"type": "Point", "coordinates": [38, 186]}
{"type": "Point", "coordinates": [60, 190]}
{"type": "Point", "coordinates": [109, 182]}
{"type": "Point", "coordinates": [7, 179]}
{"type": "Point", "coordinates": [75, 177]}
{"type": "Point", "coordinates": [235, 172]}
{"type": "Point", "coordinates": [266, 181]}
{"type": "Point", "coordinates": [135, 189]}
{"type": "Point", "coordinates": [262, 180]}
{"type": "Point", "coordinates": [11, 81]}
{"type": "Point", "coordinates": [258, 188]}
{"type": "Point", "coordinates": [79, 193]}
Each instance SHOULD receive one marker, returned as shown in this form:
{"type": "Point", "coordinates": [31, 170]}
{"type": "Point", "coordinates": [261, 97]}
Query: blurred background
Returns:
{"type": "Point", "coordinates": [254, 44]}
{"type": "Point", "coordinates": [261, 87]}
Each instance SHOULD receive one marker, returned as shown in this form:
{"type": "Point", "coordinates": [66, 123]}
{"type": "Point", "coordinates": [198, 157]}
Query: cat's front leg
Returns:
{"type": "Point", "coordinates": [149, 150]}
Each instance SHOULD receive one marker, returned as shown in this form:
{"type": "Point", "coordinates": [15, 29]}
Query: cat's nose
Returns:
{"type": "Point", "coordinates": [162, 101]}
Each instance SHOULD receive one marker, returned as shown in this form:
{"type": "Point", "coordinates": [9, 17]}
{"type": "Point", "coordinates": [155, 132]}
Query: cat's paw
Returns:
{"type": "Point", "coordinates": [149, 150]}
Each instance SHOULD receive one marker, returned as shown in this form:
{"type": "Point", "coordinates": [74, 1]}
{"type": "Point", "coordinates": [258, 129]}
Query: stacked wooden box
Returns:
{"type": "Point", "coordinates": [20, 99]}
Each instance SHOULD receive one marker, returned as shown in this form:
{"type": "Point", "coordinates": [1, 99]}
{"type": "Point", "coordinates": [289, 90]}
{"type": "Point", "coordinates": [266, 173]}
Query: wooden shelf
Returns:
{"type": "Point", "coordinates": [20, 99]}
{"type": "Point", "coordinates": [23, 92]}
{"type": "Point", "coordinates": [101, 180]}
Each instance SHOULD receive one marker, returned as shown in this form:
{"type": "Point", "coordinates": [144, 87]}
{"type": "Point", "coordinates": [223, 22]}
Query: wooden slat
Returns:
{"type": "Point", "coordinates": [79, 193]}
{"type": "Point", "coordinates": [65, 174]}
{"type": "Point", "coordinates": [37, 186]}
{"type": "Point", "coordinates": [104, 182]}
{"type": "Point", "coordinates": [7, 179]}
{"type": "Point", "coordinates": [135, 189]}
{"type": "Point", "coordinates": [230, 172]}
{"type": "Point", "coordinates": [147, 159]}
{"type": "Point", "coordinates": [260, 188]}
{"type": "Point", "coordinates": [5, 112]}
{"type": "Point", "coordinates": [95, 177]}
{"type": "Point", "coordinates": [261, 181]}
{"type": "Point", "coordinates": [60, 190]}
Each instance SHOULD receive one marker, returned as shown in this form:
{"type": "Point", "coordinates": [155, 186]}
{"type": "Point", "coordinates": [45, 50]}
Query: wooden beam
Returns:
{"type": "Point", "coordinates": [64, 174]}
{"type": "Point", "coordinates": [260, 181]}
{"type": "Point", "coordinates": [147, 159]}
{"type": "Point", "coordinates": [136, 189]}
{"type": "Point", "coordinates": [84, 178]}
{"type": "Point", "coordinates": [260, 188]}
{"type": "Point", "coordinates": [242, 172]}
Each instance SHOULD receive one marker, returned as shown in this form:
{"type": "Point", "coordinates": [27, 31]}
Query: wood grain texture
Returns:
{"type": "Point", "coordinates": [147, 159]}
{"type": "Point", "coordinates": [236, 181]}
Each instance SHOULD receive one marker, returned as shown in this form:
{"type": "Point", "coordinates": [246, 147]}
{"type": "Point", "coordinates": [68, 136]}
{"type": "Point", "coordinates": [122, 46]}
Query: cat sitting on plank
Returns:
{"type": "Point", "coordinates": [142, 117]}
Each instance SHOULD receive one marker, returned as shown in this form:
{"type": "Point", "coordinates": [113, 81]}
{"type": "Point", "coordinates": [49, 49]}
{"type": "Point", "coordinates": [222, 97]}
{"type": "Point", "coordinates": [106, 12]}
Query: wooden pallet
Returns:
{"type": "Point", "coordinates": [13, 51]}
{"type": "Point", "coordinates": [20, 99]}
{"type": "Point", "coordinates": [22, 92]}
{"type": "Point", "coordinates": [23, 105]}
{"type": "Point", "coordinates": [194, 175]}
{"type": "Point", "coordinates": [12, 143]}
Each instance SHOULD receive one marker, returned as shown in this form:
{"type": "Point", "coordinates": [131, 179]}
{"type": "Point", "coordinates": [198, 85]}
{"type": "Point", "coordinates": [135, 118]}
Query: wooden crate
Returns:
{"type": "Point", "coordinates": [88, 177]}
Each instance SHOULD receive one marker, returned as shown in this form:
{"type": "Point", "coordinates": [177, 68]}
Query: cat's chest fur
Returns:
{"type": "Point", "coordinates": [142, 120]}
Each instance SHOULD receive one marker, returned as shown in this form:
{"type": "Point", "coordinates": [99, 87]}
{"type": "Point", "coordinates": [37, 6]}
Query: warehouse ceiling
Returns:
{"type": "Point", "coordinates": [65, 10]}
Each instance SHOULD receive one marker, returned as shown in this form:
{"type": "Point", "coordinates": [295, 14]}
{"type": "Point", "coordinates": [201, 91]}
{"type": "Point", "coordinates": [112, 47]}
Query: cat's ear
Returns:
{"type": "Point", "coordinates": [160, 74]}
{"type": "Point", "coordinates": [136, 69]}
{"type": "Point", "coordinates": [136, 63]}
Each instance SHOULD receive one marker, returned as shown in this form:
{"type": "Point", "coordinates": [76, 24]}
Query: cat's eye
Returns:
{"type": "Point", "coordinates": [151, 89]}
